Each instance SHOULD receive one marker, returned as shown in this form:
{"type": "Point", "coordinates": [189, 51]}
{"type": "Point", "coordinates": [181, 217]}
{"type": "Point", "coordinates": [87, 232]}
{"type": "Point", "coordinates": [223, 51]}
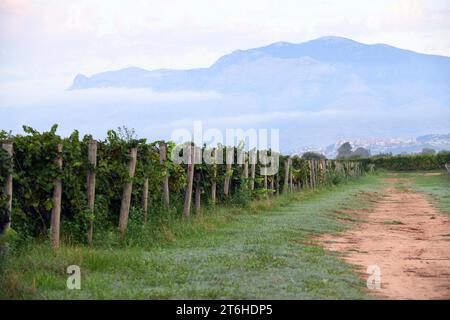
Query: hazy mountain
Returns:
{"type": "Point", "coordinates": [329, 69]}
{"type": "Point", "coordinates": [315, 93]}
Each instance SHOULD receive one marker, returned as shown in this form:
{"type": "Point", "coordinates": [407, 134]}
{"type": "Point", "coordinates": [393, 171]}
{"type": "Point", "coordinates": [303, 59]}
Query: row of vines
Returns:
{"type": "Point", "coordinates": [411, 162]}
{"type": "Point", "coordinates": [79, 187]}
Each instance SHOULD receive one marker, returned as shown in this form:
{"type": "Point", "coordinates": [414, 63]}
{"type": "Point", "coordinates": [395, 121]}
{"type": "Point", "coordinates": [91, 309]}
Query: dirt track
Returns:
{"type": "Point", "coordinates": [407, 238]}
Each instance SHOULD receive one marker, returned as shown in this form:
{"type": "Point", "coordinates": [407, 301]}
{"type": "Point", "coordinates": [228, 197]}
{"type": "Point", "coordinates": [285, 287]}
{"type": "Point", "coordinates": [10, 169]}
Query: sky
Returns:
{"type": "Point", "coordinates": [44, 44]}
{"type": "Point", "coordinates": [67, 37]}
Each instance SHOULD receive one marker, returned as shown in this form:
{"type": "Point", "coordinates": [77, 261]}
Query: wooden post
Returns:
{"type": "Point", "coordinates": [213, 178]}
{"type": "Point", "coordinates": [252, 159]}
{"type": "Point", "coordinates": [317, 169]}
{"type": "Point", "coordinates": [8, 187]}
{"type": "Point", "coordinates": [229, 172]}
{"type": "Point", "coordinates": [198, 194]}
{"type": "Point", "coordinates": [320, 171]}
{"type": "Point", "coordinates": [266, 186]}
{"type": "Point", "coordinates": [291, 180]}
{"type": "Point", "coordinates": [246, 169]}
{"type": "Point", "coordinates": [165, 184]}
{"type": "Point", "coordinates": [272, 178]}
{"type": "Point", "coordinates": [314, 173]}
{"type": "Point", "coordinates": [310, 174]}
{"type": "Point", "coordinates": [145, 200]}
{"type": "Point", "coordinates": [126, 195]}
{"type": "Point", "coordinates": [190, 182]}
{"type": "Point", "coordinates": [56, 211]}
{"type": "Point", "coordinates": [253, 176]}
{"type": "Point", "coordinates": [277, 184]}
{"type": "Point", "coordinates": [92, 159]}
{"type": "Point", "coordinates": [287, 166]}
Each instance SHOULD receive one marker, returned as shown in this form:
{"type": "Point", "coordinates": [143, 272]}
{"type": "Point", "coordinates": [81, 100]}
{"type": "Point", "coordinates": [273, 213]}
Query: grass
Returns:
{"type": "Point", "coordinates": [260, 252]}
{"type": "Point", "coordinates": [434, 184]}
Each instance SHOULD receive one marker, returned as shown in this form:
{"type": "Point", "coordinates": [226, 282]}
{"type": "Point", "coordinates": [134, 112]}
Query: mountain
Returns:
{"type": "Point", "coordinates": [315, 93]}
{"type": "Point", "coordinates": [331, 66]}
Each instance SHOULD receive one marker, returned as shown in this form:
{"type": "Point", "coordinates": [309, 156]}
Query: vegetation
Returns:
{"type": "Point", "coordinates": [261, 251]}
{"type": "Point", "coordinates": [310, 155]}
{"type": "Point", "coordinates": [428, 151]}
{"type": "Point", "coordinates": [410, 162]}
{"type": "Point", "coordinates": [345, 152]}
{"type": "Point", "coordinates": [249, 245]}
{"type": "Point", "coordinates": [5, 170]}
{"type": "Point", "coordinates": [434, 184]}
{"type": "Point", "coordinates": [35, 171]}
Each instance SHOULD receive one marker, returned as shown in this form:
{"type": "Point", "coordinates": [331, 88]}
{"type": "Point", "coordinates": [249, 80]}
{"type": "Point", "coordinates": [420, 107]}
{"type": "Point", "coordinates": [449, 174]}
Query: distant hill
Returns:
{"type": "Point", "coordinates": [315, 92]}
{"type": "Point", "coordinates": [329, 69]}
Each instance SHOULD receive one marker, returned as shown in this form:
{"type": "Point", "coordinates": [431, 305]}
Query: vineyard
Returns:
{"type": "Point", "coordinates": [217, 224]}
{"type": "Point", "coordinates": [80, 189]}
{"type": "Point", "coordinates": [411, 162]}
{"type": "Point", "coordinates": [223, 160]}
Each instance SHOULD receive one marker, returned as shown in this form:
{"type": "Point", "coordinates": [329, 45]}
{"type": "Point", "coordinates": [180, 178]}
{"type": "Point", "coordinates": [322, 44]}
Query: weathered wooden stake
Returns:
{"type": "Point", "coordinates": [190, 182]}
{"type": "Point", "coordinates": [277, 184]}
{"type": "Point", "coordinates": [246, 169]}
{"type": "Point", "coordinates": [145, 200]}
{"type": "Point", "coordinates": [198, 194]}
{"type": "Point", "coordinates": [291, 180]}
{"type": "Point", "coordinates": [126, 195]}
{"type": "Point", "coordinates": [266, 186]}
{"type": "Point", "coordinates": [287, 166]}
{"type": "Point", "coordinates": [165, 183]}
{"type": "Point", "coordinates": [253, 173]}
{"type": "Point", "coordinates": [272, 182]}
{"type": "Point", "coordinates": [92, 158]}
{"type": "Point", "coordinates": [310, 174]}
{"type": "Point", "coordinates": [8, 187]}
{"type": "Point", "coordinates": [213, 178]}
{"type": "Point", "coordinates": [229, 172]}
{"type": "Point", "coordinates": [313, 173]}
{"type": "Point", "coordinates": [322, 171]}
{"type": "Point", "coordinates": [56, 211]}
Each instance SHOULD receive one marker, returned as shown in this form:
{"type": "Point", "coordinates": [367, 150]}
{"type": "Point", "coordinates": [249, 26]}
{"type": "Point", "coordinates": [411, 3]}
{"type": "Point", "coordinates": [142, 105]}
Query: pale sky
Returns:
{"type": "Point", "coordinates": [53, 38]}
{"type": "Point", "coordinates": [45, 43]}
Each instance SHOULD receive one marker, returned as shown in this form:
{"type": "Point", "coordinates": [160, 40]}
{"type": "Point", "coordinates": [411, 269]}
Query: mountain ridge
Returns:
{"type": "Point", "coordinates": [349, 55]}
{"type": "Point", "coordinates": [326, 88]}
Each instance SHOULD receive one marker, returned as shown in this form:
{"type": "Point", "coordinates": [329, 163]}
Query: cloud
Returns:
{"type": "Point", "coordinates": [258, 118]}
{"type": "Point", "coordinates": [52, 92]}
{"type": "Point", "coordinates": [44, 44]}
{"type": "Point", "coordinates": [76, 36]}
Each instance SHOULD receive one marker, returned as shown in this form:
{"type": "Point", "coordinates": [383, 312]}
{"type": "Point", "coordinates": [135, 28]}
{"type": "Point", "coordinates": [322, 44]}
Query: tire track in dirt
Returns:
{"type": "Point", "coordinates": [407, 238]}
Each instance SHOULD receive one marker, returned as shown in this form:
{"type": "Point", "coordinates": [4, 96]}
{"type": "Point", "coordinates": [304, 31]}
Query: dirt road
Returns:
{"type": "Point", "coordinates": [407, 238]}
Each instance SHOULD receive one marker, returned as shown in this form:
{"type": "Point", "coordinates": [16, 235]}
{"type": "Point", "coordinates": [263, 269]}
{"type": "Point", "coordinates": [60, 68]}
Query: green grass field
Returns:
{"type": "Point", "coordinates": [261, 252]}
{"type": "Point", "coordinates": [437, 188]}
